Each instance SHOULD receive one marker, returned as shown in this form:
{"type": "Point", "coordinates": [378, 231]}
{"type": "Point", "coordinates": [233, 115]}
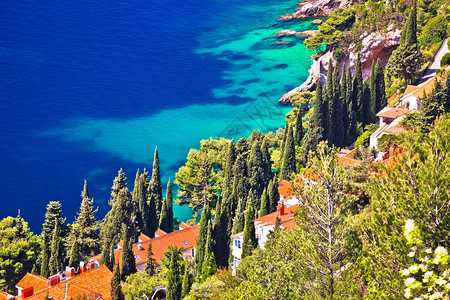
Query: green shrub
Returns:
{"type": "Point", "coordinates": [445, 60]}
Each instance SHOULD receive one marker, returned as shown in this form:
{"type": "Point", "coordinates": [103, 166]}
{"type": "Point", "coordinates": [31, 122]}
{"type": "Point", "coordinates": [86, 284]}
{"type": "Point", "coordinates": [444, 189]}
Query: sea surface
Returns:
{"type": "Point", "coordinates": [89, 87]}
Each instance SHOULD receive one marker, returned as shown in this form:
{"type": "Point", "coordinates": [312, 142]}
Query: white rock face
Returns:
{"type": "Point", "coordinates": [375, 45]}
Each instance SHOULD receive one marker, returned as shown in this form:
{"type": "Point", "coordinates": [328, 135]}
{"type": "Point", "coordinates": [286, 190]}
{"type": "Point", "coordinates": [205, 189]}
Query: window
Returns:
{"type": "Point", "coordinates": [239, 244]}
{"type": "Point", "coordinates": [185, 243]}
{"type": "Point", "coordinates": [137, 258]}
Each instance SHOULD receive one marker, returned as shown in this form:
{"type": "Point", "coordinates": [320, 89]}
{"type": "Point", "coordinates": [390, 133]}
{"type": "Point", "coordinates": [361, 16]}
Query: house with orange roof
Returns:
{"type": "Point", "coordinates": [263, 226]}
{"type": "Point", "coordinates": [185, 238]}
{"type": "Point", "coordinates": [285, 192]}
{"type": "Point", "coordinates": [92, 282]}
{"type": "Point", "coordinates": [390, 118]}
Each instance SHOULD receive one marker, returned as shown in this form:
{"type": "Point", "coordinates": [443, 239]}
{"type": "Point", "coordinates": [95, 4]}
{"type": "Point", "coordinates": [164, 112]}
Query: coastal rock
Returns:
{"type": "Point", "coordinates": [317, 22]}
{"type": "Point", "coordinates": [302, 34]}
{"type": "Point", "coordinates": [373, 46]}
{"type": "Point", "coordinates": [316, 8]}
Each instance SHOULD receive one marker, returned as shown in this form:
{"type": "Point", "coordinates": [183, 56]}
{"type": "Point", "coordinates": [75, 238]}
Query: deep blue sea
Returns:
{"type": "Point", "coordinates": [89, 87]}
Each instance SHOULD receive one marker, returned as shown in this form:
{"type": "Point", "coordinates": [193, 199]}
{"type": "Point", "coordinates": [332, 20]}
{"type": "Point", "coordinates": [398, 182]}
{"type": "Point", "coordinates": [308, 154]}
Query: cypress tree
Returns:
{"type": "Point", "coordinates": [288, 166]}
{"type": "Point", "coordinates": [75, 256]}
{"type": "Point", "coordinates": [116, 288]}
{"type": "Point", "coordinates": [55, 262]}
{"type": "Point", "coordinates": [238, 221]}
{"type": "Point", "coordinates": [242, 148]}
{"type": "Point", "coordinates": [298, 135]}
{"type": "Point", "coordinates": [128, 262]}
{"type": "Point", "coordinates": [221, 236]}
{"type": "Point", "coordinates": [272, 195]}
{"type": "Point", "coordinates": [169, 203]}
{"type": "Point", "coordinates": [344, 107]}
{"type": "Point", "coordinates": [227, 188]}
{"type": "Point", "coordinates": [200, 244]}
{"type": "Point", "coordinates": [209, 266]}
{"type": "Point", "coordinates": [150, 262]}
{"type": "Point", "coordinates": [249, 240]}
{"type": "Point", "coordinates": [266, 160]}
{"type": "Point", "coordinates": [367, 111]}
{"type": "Point", "coordinates": [328, 98]}
{"type": "Point", "coordinates": [164, 218]}
{"type": "Point", "coordinates": [283, 141]}
{"type": "Point", "coordinates": [256, 169]}
{"type": "Point", "coordinates": [373, 94]}
{"type": "Point", "coordinates": [156, 187]}
{"type": "Point", "coordinates": [52, 216]}
{"type": "Point", "coordinates": [139, 195]}
{"type": "Point", "coordinates": [106, 255]}
{"type": "Point", "coordinates": [152, 224]}
{"type": "Point", "coordinates": [174, 284]}
{"type": "Point", "coordinates": [120, 182]}
{"type": "Point", "coordinates": [264, 210]}
{"type": "Point", "coordinates": [187, 281]}
{"type": "Point", "coordinates": [380, 86]}
{"type": "Point", "coordinates": [317, 124]}
{"type": "Point", "coordinates": [357, 90]}
{"type": "Point", "coordinates": [45, 255]}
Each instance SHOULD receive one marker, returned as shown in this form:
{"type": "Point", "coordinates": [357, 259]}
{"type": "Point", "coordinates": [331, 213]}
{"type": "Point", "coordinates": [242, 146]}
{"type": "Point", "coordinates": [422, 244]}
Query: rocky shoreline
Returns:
{"type": "Point", "coordinates": [316, 8]}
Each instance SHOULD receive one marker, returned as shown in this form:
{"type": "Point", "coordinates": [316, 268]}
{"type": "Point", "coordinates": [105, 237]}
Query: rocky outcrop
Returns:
{"type": "Point", "coordinates": [301, 34]}
{"type": "Point", "coordinates": [317, 22]}
{"type": "Point", "coordinates": [373, 46]}
{"type": "Point", "coordinates": [316, 8]}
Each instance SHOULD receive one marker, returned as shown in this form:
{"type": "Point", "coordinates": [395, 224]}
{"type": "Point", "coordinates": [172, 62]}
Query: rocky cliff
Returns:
{"type": "Point", "coordinates": [316, 8]}
{"type": "Point", "coordinates": [373, 46]}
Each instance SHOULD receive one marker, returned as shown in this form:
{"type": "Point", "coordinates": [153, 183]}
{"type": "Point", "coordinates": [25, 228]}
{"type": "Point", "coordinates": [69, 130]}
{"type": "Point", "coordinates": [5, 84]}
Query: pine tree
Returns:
{"type": "Point", "coordinates": [45, 255]}
{"type": "Point", "coordinates": [186, 287]}
{"type": "Point", "coordinates": [200, 244]}
{"type": "Point", "coordinates": [174, 285]}
{"type": "Point", "coordinates": [264, 204]}
{"type": "Point", "coordinates": [156, 187]}
{"type": "Point", "coordinates": [150, 262]}
{"type": "Point", "coordinates": [298, 135]}
{"type": "Point", "coordinates": [289, 163]}
{"type": "Point", "coordinates": [85, 229]}
{"type": "Point", "coordinates": [55, 262]}
{"type": "Point", "coordinates": [120, 182]}
{"type": "Point", "coordinates": [116, 288]}
{"type": "Point", "coordinates": [128, 262]}
{"type": "Point", "coordinates": [249, 240]}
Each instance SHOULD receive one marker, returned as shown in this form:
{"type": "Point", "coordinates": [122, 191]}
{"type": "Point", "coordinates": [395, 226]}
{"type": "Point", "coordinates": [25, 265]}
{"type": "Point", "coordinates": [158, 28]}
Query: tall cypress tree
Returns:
{"type": "Point", "coordinates": [264, 210]}
{"type": "Point", "coordinates": [55, 262]}
{"type": "Point", "coordinates": [283, 141]}
{"type": "Point", "coordinates": [156, 187]}
{"type": "Point", "coordinates": [75, 255]}
{"type": "Point", "coordinates": [380, 86]}
{"type": "Point", "coordinates": [150, 262]}
{"type": "Point", "coordinates": [272, 194]}
{"type": "Point", "coordinates": [174, 285]}
{"type": "Point", "coordinates": [187, 280]}
{"type": "Point", "coordinates": [116, 288]}
{"type": "Point", "coordinates": [298, 135]}
{"type": "Point", "coordinates": [168, 214]}
{"type": "Point", "coordinates": [221, 236]}
{"type": "Point", "coordinates": [367, 111]}
{"type": "Point", "coordinates": [200, 245]}
{"type": "Point", "coordinates": [238, 221]}
{"type": "Point", "coordinates": [164, 218]}
{"type": "Point", "coordinates": [328, 98]}
{"type": "Point", "coordinates": [249, 240]}
{"type": "Point", "coordinates": [128, 262]}
{"type": "Point", "coordinates": [106, 254]}
{"type": "Point", "coordinates": [120, 182]}
{"type": "Point", "coordinates": [256, 169]}
{"type": "Point", "coordinates": [209, 266]}
{"type": "Point", "coordinates": [139, 195]}
{"type": "Point", "coordinates": [357, 90]}
{"type": "Point", "coordinates": [45, 255]}
{"type": "Point", "coordinates": [266, 160]}
{"type": "Point", "coordinates": [288, 166]}
{"type": "Point", "coordinates": [344, 107]}
{"type": "Point", "coordinates": [373, 94]}
{"type": "Point", "coordinates": [152, 224]}
{"type": "Point", "coordinates": [227, 188]}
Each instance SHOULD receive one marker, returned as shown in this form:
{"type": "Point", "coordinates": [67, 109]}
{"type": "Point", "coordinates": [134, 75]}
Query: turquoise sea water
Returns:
{"type": "Point", "coordinates": [91, 87]}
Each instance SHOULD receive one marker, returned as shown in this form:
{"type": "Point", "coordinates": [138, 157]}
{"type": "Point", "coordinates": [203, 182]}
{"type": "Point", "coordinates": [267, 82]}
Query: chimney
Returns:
{"type": "Point", "coordinates": [53, 280]}
{"type": "Point", "coordinates": [399, 149]}
{"type": "Point", "coordinates": [391, 151]}
{"type": "Point", "coordinates": [140, 248]}
{"type": "Point", "coordinates": [70, 272]}
{"type": "Point", "coordinates": [91, 265]}
{"type": "Point", "coordinates": [280, 210]}
{"type": "Point", "coordinates": [82, 267]}
{"type": "Point", "coordinates": [27, 292]}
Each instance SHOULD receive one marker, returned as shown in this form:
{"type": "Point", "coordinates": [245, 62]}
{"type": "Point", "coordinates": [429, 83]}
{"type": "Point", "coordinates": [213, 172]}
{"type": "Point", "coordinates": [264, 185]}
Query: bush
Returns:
{"type": "Point", "coordinates": [445, 60]}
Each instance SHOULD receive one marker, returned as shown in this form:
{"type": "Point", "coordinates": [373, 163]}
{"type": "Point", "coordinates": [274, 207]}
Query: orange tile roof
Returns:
{"type": "Point", "coordinates": [37, 282]}
{"type": "Point", "coordinates": [185, 238]}
{"type": "Point", "coordinates": [4, 295]}
{"type": "Point", "coordinates": [142, 237]}
{"type": "Point", "coordinates": [285, 188]}
{"type": "Point", "coordinates": [392, 112]}
{"type": "Point", "coordinates": [183, 225]}
{"type": "Point", "coordinates": [95, 282]}
{"type": "Point", "coordinates": [270, 219]}
{"type": "Point", "coordinates": [158, 232]}
{"type": "Point", "coordinates": [392, 99]}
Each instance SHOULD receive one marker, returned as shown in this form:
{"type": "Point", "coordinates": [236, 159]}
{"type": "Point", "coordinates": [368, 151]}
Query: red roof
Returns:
{"type": "Point", "coordinates": [4, 296]}
{"type": "Point", "coordinates": [392, 112]}
{"type": "Point", "coordinates": [37, 282]}
{"type": "Point", "coordinates": [270, 219]}
{"type": "Point", "coordinates": [183, 225]}
{"type": "Point", "coordinates": [285, 188]}
{"type": "Point", "coordinates": [185, 238]}
{"type": "Point", "coordinates": [95, 282]}
{"type": "Point", "coordinates": [158, 232]}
